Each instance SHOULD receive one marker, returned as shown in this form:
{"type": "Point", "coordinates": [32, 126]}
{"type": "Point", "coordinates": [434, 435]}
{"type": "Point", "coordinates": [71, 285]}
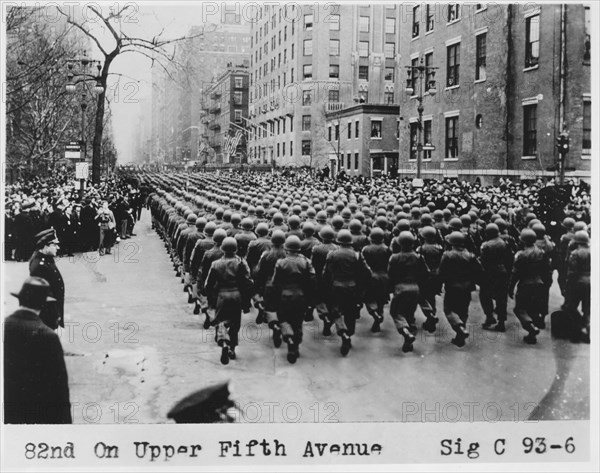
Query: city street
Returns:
{"type": "Point", "coordinates": [134, 348]}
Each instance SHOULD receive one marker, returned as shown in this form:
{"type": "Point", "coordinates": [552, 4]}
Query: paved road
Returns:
{"type": "Point", "coordinates": [134, 348]}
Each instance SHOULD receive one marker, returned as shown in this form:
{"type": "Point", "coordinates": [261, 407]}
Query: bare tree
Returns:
{"type": "Point", "coordinates": [159, 50]}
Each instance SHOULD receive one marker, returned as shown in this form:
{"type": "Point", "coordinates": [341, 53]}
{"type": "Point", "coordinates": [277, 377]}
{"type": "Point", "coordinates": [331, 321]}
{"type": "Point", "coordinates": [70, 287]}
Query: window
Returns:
{"type": "Point", "coordinates": [356, 129]}
{"type": "Point", "coordinates": [334, 47]}
{"type": "Point", "coordinates": [356, 161]}
{"type": "Point", "coordinates": [305, 147]}
{"type": "Point", "coordinates": [329, 133]}
{"type": "Point", "coordinates": [427, 138]}
{"type": "Point", "coordinates": [349, 130]}
{"type": "Point", "coordinates": [237, 97]}
{"type": "Point", "coordinates": [278, 148]}
{"type": "Point", "coordinates": [390, 25]}
{"type": "Point", "coordinates": [453, 12]}
{"type": "Point", "coordinates": [451, 137]}
{"type": "Point", "coordinates": [291, 148]}
{"type": "Point", "coordinates": [285, 33]}
{"type": "Point", "coordinates": [363, 97]}
{"type": "Point", "coordinates": [429, 73]}
{"type": "Point", "coordinates": [363, 24]}
{"type": "Point", "coordinates": [414, 139]}
{"type": "Point", "coordinates": [279, 40]}
{"type": "Point", "coordinates": [237, 116]}
{"type": "Point", "coordinates": [389, 74]}
{"type": "Point", "coordinates": [414, 62]}
{"type": "Point", "coordinates": [587, 45]}
{"type": "Point", "coordinates": [349, 161]}
{"type": "Point", "coordinates": [306, 98]}
{"type": "Point", "coordinates": [532, 41]}
{"type": "Point", "coordinates": [453, 65]}
{"type": "Point", "coordinates": [480, 53]}
{"type": "Point", "coordinates": [376, 129]}
{"type": "Point", "coordinates": [363, 72]}
{"type": "Point", "coordinates": [337, 131]}
{"type": "Point", "coordinates": [308, 22]}
{"type": "Point", "coordinates": [334, 22]}
{"type": "Point", "coordinates": [530, 130]}
{"type": "Point", "coordinates": [307, 71]}
{"type": "Point", "coordinates": [239, 82]}
{"type": "Point", "coordinates": [389, 98]}
{"type": "Point", "coordinates": [283, 148]}
{"type": "Point", "coordinates": [334, 71]}
{"type": "Point", "coordinates": [415, 24]}
{"type": "Point", "coordinates": [429, 17]}
{"type": "Point", "coordinates": [292, 75]}
{"type": "Point", "coordinates": [334, 96]}
{"type": "Point", "coordinates": [308, 47]}
{"type": "Point", "coordinates": [390, 50]}
{"type": "Point", "coordinates": [293, 50]}
{"type": "Point", "coordinates": [363, 48]}
{"type": "Point", "coordinates": [305, 122]}
{"type": "Point", "coordinates": [283, 125]}
{"type": "Point", "coordinates": [587, 127]}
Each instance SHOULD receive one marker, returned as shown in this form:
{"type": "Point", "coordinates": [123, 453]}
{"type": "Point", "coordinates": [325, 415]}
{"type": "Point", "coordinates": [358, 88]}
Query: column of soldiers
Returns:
{"type": "Point", "coordinates": [290, 253]}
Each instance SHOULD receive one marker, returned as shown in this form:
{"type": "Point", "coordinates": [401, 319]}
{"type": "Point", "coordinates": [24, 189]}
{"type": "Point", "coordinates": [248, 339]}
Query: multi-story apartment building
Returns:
{"type": "Point", "coordinates": [309, 60]}
{"type": "Point", "coordinates": [224, 110]}
{"type": "Point", "coordinates": [177, 96]}
{"type": "Point", "coordinates": [510, 78]}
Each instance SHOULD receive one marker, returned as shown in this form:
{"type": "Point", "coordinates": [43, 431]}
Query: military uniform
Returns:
{"type": "Point", "coordinates": [496, 260]}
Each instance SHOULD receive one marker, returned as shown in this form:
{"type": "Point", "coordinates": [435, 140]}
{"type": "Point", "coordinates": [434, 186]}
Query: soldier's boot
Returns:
{"type": "Point", "coordinates": [231, 353]}
{"type": "Point", "coordinates": [461, 336]}
{"type": "Point", "coordinates": [500, 327]}
{"type": "Point", "coordinates": [533, 332]}
{"type": "Point", "coordinates": [413, 328]}
{"type": "Point", "coordinates": [430, 323]}
{"type": "Point", "coordinates": [276, 335]}
{"type": "Point", "coordinates": [346, 344]}
{"type": "Point", "coordinates": [540, 322]}
{"type": "Point", "coordinates": [196, 308]}
{"type": "Point", "coordinates": [409, 339]}
{"type": "Point", "coordinates": [327, 326]}
{"type": "Point", "coordinates": [490, 321]}
{"type": "Point", "coordinates": [378, 319]}
{"type": "Point", "coordinates": [292, 354]}
{"type": "Point", "coordinates": [260, 318]}
{"type": "Point", "coordinates": [225, 353]}
{"type": "Point", "coordinates": [206, 320]}
{"type": "Point", "coordinates": [308, 315]}
{"type": "Point", "coordinates": [190, 295]}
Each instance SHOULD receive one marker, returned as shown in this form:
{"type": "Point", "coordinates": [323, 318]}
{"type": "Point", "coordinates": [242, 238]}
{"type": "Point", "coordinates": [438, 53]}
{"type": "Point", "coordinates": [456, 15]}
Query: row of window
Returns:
{"type": "Point", "coordinates": [452, 14]}
{"type": "Point", "coordinates": [348, 161]}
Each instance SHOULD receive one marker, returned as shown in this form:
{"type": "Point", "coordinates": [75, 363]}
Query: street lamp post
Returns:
{"type": "Point", "coordinates": [79, 73]}
{"type": "Point", "coordinates": [420, 72]}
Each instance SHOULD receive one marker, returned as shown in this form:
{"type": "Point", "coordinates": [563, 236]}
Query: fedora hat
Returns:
{"type": "Point", "coordinates": [34, 289]}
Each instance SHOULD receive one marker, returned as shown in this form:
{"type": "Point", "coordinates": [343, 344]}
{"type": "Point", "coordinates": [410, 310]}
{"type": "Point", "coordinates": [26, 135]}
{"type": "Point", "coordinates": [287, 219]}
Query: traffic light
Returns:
{"type": "Point", "coordinates": [562, 143]}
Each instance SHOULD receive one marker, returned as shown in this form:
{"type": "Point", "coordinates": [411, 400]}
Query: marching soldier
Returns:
{"type": "Point", "coordinates": [294, 278]}
{"type": "Point", "coordinates": [377, 256]}
{"type": "Point", "coordinates": [530, 271]}
{"type": "Point", "coordinates": [459, 272]}
{"type": "Point", "coordinates": [578, 283]}
{"type": "Point", "coordinates": [345, 274]}
{"type": "Point", "coordinates": [562, 257]}
{"type": "Point", "coordinates": [210, 255]}
{"type": "Point", "coordinates": [547, 246]}
{"type": "Point", "coordinates": [496, 260]}
{"type": "Point", "coordinates": [432, 252]}
{"type": "Point", "coordinates": [318, 258]}
{"type": "Point", "coordinates": [228, 286]}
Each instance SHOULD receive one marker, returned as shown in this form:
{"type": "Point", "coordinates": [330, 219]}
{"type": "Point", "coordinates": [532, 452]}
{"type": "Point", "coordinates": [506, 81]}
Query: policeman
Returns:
{"type": "Point", "coordinates": [407, 272]}
{"type": "Point", "coordinates": [459, 272]}
{"type": "Point", "coordinates": [496, 260]}
{"type": "Point", "coordinates": [294, 278]}
{"type": "Point", "coordinates": [377, 256]}
{"type": "Point", "coordinates": [345, 275]}
{"type": "Point", "coordinates": [42, 265]}
{"type": "Point", "coordinates": [530, 271]}
{"type": "Point", "coordinates": [578, 284]}
{"type": "Point", "coordinates": [228, 284]}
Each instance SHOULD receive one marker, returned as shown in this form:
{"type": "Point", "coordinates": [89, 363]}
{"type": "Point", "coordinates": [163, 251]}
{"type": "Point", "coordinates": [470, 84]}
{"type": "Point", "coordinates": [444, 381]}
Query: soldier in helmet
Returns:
{"type": "Point", "coordinates": [245, 237]}
{"type": "Point", "coordinates": [180, 246]}
{"type": "Point", "coordinates": [377, 256]}
{"type": "Point", "coordinates": [459, 272]}
{"type": "Point", "coordinates": [228, 285]}
{"type": "Point", "coordinates": [190, 244]}
{"type": "Point", "coordinates": [578, 283]}
{"type": "Point", "coordinates": [210, 255]}
{"type": "Point", "coordinates": [263, 277]}
{"type": "Point", "coordinates": [294, 278]}
{"type": "Point", "coordinates": [359, 239]}
{"type": "Point", "coordinates": [202, 246]}
{"type": "Point", "coordinates": [531, 270]}
{"type": "Point", "coordinates": [407, 272]}
{"type": "Point", "coordinates": [544, 243]}
{"type": "Point", "coordinates": [318, 257]}
{"type": "Point", "coordinates": [496, 260]}
{"type": "Point", "coordinates": [345, 274]}
{"type": "Point", "coordinates": [562, 257]}
{"type": "Point", "coordinates": [432, 252]}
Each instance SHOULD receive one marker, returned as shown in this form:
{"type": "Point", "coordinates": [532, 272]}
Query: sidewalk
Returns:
{"type": "Point", "coordinates": [135, 348]}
